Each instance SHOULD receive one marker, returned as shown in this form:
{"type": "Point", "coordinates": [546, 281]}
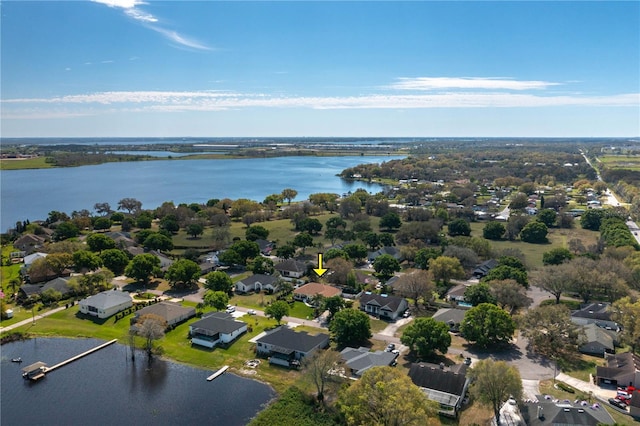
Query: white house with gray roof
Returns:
{"type": "Point", "coordinates": [105, 304]}
{"type": "Point", "coordinates": [286, 347]}
{"type": "Point", "coordinates": [360, 360]}
{"type": "Point", "coordinates": [216, 328]}
{"type": "Point", "coordinates": [256, 282]}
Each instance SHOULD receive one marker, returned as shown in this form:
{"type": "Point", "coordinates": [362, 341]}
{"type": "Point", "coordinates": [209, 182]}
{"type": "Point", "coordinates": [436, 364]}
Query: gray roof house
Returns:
{"type": "Point", "coordinates": [60, 285]}
{"type": "Point", "coordinates": [172, 313]}
{"type": "Point", "coordinates": [598, 340]}
{"type": "Point", "coordinates": [216, 328]}
{"type": "Point", "coordinates": [291, 268]}
{"type": "Point", "coordinates": [390, 250]}
{"type": "Point", "coordinates": [451, 316]}
{"type": "Point", "coordinates": [445, 385]}
{"type": "Point", "coordinates": [595, 313]}
{"type": "Point", "coordinates": [550, 412]}
{"type": "Point", "coordinates": [29, 243]}
{"type": "Point", "coordinates": [483, 269]}
{"type": "Point", "coordinates": [285, 347]}
{"type": "Point", "coordinates": [383, 305]}
{"type": "Point", "coordinates": [256, 282]}
{"type": "Point", "coordinates": [621, 370]}
{"type": "Point", "coordinates": [360, 360]}
{"type": "Point", "coordinates": [106, 303]}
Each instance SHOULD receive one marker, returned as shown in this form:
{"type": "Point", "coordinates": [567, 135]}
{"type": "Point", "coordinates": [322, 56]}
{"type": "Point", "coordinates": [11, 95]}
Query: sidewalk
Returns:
{"type": "Point", "coordinates": [30, 320]}
{"type": "Point", "coordinates": [586, 387]}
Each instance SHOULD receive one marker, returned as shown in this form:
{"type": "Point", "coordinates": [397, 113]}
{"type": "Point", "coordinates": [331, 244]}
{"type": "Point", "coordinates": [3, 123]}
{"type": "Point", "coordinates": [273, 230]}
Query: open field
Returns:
{"type": "Point", "coordinates": [27, 163]}
{"type": "Point", "coordinates": [621, 162]}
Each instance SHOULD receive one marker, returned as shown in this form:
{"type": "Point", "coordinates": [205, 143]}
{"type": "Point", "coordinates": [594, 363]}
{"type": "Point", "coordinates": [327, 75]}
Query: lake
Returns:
{"type": "Point", "coordinates": [107, 388]}
{"type": "Point", "coordinates": [32, 194]}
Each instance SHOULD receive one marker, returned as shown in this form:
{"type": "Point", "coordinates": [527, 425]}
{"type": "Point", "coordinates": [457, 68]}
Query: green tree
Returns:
{"type": "Point", "coordinates": [170, 224]}
{"type": "Point", "coordinates": [99, 242]}
{"type": "Point", "coordinates": [386, 239]}
{"type": "Point", "coordinates": [261, 265]}
{"type": "Point", "coordinates": [591, 219]}
{"type": "Point", "coordinates": [390, 221]}
{"type": "Point", "coordinates": [183, 273]}
{"type": "Point", "coordinates": [350, 326]}
{"type": "Point", "coordinates": [144, 221]}
{"type": "Point", "coordinates": [534, 232]}
{"type": "Point", "coordinates": [310, 225]}
{"type": "Point", "coordinates": [303, 240]}
{"type": "Point", "coordinates": [459, 227]}
{"type": "Point", "coordinates": [336, 222]}
{"type": "Point", "coordinates": [131, 205]}
{"type": "Point", "coordinates": [445, 268]}
{"type": "Point", "coordinates": [519, 201]}
{"type": "Point", "coordinates": [286, 251]}
{"type": "Point", "coordinates": [386, 265]}
{"type": "Point", "coordinates": [371, 239]}
{"type": "Point", "coordinates": [333, 304]}
{"type": "Point", "coordinates": [547, 216]}
{"type": "Point", "coordinates": [551, 332]}
{"type": "Point", "coordinates": [65, 230]}
{"type": "Point", "coordinates": [86, 261]}
{"type": "Point", "coordinates": [289, 194]}
{"type": "Point", "coordinates": [422, 257]}
{"type": "Point", "coordinates": [385, 396]}
{"type": "Point", "coordinates": [157, 241]}
{"type": "Point", "coordinates": [319, 368]}
{"type": "Point", "coordinates": [627, 314]}
{"type": "Point", "coordinates": [494, 382]}
{"type": "Point", "coordinates": [218, 281]}
{"type": "Point", "coordinates": [418, 286]}
{"type": "Point", "coordinates": [425, 336]}
{"type": "Point", "coordinates": [115, 260]}
{"type": "Point", "coordinates": [150, 327]}
{"type": "Point", "coordinates": [356, 252]}
{"type": "Point", "coordinates": [510, 295]}
{"type": "Point", "coordinates": [49, 296]}
{"type": "Point", "coordinates": [141, 267]}
{"type": "Point", "coordinates": [277, 310]}
{"type": "Point", "coordinates": [245, 250]}
{"type": "Point", "coordinates": [493, 231]}
{"type": "Point", "coordinates": [556, 256]}
{"type": "Point", "coordinates": [487, 325]}
{"type": "Point", "coordinates": [195, 229]}
{"type": "Point", "coordinates": [218, 300]}
{"type": "Point", "coordinates": [504, 272]}
{"type": "Point", "coordinates": [102, 223]}
{"type": "Point", "coordinates": [256, 232]}
{"type": "Point", "coordinates": [479, 293]}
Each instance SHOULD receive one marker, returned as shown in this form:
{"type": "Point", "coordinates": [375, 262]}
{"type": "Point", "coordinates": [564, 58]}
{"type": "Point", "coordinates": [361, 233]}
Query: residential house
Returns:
{"type": "Point", "coordinates": [122, 239]}
{"type": "Point", "coordinates": [61, 285]}
{"type": "Point", "coordinates": [552, 412]}
{"type": "Point", "coordinates": [172, 313]}
{"type": "Point", "coordinates": [598, 341]}
{"type": "Point", "coordinates": [257, 282]}
{"type": "Point", "coordinates": [453, 317]}
{"type": "Point", "coordinates": [597, 313]}
{"type": "Point", "coordinates": [311, 290]}
{"type": "Point", "coordinates": [621, 370]}
{"type": "Point", "coordinates": [510, 414]}
{"type": "Point", "coordinates": [456, 293]}
{"type": "Point", "coordinates": [634, 406]}
{"type": "Point", "coordinates": [285, 347]}
{"type": "Point", "coordinates": [29, 243]}
{"type": "Point", "coordinates": [106, 303]}
{"type": "Point", "coordinates": [165, 261]}
{"type": "Point", "coordinates": [445, 385]}
{"type": "Point", "coordinates": [390, 250]}
{"type": "Point", "coordinates": [382, 305]}
{"type": "Point", "coordinates": [216, 328]}
{"type": "Point", "coordinates": [483, 269]}
{"type": "Point", "coordinates": [360, 360]}
{"type": "Point", "coordinates": [28, 260]}
{"type": "Point", "coordinates": [265, 246]}
{"type": "Point", "coordinates": [291, 268]}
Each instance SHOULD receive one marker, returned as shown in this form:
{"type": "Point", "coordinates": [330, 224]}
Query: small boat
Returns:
{"type": "Point", "coordinates": [16, 359]}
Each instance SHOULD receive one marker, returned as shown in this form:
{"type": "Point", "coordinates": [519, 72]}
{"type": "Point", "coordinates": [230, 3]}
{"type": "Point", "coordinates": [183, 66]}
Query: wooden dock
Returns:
{"type": "Point", "coordinates": [218, 373]}
{"type": "Point", "coordinates": [39, 369]}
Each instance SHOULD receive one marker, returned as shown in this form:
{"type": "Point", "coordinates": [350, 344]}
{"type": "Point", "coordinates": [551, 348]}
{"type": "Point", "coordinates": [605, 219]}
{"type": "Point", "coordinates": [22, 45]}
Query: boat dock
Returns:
{"type": "Point", "coordinates": [218, 373]}
{"type": "Point", "coordinates": [39, 369]}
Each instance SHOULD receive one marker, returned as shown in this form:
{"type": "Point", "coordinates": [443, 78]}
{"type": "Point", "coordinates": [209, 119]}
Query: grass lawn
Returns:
{"type": "Point", "coordinates": [582, 368]}
{"type": "Point", "coordinates": [27, 163]}
{"type": "Point", "coordinates": [533, 252]}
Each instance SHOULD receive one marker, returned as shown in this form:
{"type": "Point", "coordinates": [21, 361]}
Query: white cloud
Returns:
{"type": "Point", "coordinates": [486, 83]}
{"type": "Point", "coordinates": [131, 9]}
{"type": "Point", "coordinates": [220, 100]}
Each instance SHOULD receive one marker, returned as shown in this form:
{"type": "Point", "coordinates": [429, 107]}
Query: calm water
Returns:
{"type": "Point", "coordinates": [32, 194]}
{"type": "Point", "coordinates": [106, 388]}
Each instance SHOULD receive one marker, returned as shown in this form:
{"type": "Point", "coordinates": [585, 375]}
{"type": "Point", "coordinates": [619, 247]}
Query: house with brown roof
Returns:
{"type": "Point", "coordinates": [383, 306]}
{"type": "Point", "coordinates": [445, 385]}
{"type": "Point", "coordinates": [29, 243]}
{"type": "Point", "coordinates": [172, 313]}
{"type": "Point", "coordinates": [308, 291]}
{"type": "Point", "coordinates": [621, 370]}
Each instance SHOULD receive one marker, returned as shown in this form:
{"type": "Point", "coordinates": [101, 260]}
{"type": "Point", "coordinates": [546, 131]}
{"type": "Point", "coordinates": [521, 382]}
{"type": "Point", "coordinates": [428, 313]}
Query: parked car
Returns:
{"type": "Point", "coordinates": [406, 314]}
{"type": "Point", "coordinates": [231, 309]}
{"type": "Point", "coordinates": [251, 312]}
{"type": "Point", "coordinates": [390, 347]}
{"type": "Point", "coordinates": [617, 403]}
{"type": "Point", "coordinates": [467, 361]}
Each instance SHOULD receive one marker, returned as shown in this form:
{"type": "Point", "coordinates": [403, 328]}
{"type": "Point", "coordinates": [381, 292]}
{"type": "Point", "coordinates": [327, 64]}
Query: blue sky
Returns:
{"type": "Point", "coordinates": [118, 68]}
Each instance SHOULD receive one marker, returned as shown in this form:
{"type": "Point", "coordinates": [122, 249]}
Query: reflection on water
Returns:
{"type": "Point", "coordinates": [108, 388]}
